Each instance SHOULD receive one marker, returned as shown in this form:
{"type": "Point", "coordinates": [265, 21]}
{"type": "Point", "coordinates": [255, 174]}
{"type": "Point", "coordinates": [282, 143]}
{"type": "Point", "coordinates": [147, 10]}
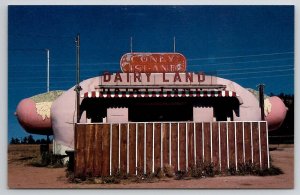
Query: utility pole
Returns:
{"type": "Point", "coordinates": [48, 69]}
{"type": "Point", "coordinates": [261, 101]}
{"type": "Point", "coordinates": [77, 87]}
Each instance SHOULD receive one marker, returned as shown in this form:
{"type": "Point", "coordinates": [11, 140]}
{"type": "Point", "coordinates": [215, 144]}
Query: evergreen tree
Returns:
{"type": "Point", "coordinates": [30, 140]}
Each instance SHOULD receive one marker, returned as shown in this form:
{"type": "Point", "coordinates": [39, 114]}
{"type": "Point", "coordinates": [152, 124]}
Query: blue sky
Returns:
{"type": "Point", "coordinates": [246, 44]}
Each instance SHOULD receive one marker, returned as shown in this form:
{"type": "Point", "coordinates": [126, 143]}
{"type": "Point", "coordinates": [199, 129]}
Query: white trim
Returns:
{"type": "Point", "coordinates": [244, 154]}
{"type": "Point", "coordinates": [235, 146]}
{"type": "Point", "coordinates": [227, 145]}
{"type": "Point", "coordinates": [153, 147]}
{"type": "Point", "coordinates": [161, 146]}
{"type": "Point", "coordinates": [119, 160]}
{"type": "Point", "coordinates": [195, 149]}
{"type": "Point", "coordinates": [155, 122]}
{"type": "Point", "coordinates": [170, 144]}
{"type": "Point", "coordinates": [145, 139]}
{"type": "Point", "coordinates": [223, 93]}
{"type": "Point", "coordinates": [251, 131]}
{"type": "Point", "coordinates": [136, 143]}
{"type": "Point", "coordinates": [230, 93]}
{"type": "Point", "coordinates": [211, 145]}
{"type": "Point", "coordinates": [186, 147]}
{"type": "Point", "coordinates": [202, 141]}
{"type": "Point", "coordinates": [220, 155]}
{"type": "Point", "coordinates": [97, 94]}
{"type": "Point", "coordinates": [89, 94]}
{"type": "Point", "coordinates": [110, 148]}
{"type": "Point", "coordinates": [178, 148]}
{"type": "Point", "coordinates": [267, 136]}
{"type": "Point", "coordinates": [127, 148]}
{"type": "Point", "coordinates": [259, 141]}
{"type": "Point", "coordinates": [216, 94]}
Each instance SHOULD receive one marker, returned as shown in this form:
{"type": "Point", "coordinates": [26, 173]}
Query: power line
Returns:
{"type": "Point", "coordinates": [41, 35]}
{"type": "Point", "coordinates": [258, 72]}
{"type": "Point", "coordinates": [282, 75]}
{"type": "Point", "coordinates": [37, 82]}
{"type": "Point", "coordinates": [28, 49]}
{"type": "Point", "coordinates": [254, 55]}
{"type": "Point", "coordinates": [258, 67]}
{"type": "Point", "coordinates": [241, 62]}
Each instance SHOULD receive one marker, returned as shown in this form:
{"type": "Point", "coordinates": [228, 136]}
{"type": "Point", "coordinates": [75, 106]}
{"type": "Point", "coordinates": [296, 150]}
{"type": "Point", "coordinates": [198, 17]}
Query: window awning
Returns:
{"type": "Point", "coordinates": [153, 94]}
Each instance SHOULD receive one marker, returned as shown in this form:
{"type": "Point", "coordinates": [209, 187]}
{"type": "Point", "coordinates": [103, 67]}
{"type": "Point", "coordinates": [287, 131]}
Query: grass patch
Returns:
{"type": "Point", "coordinates": [251, 169]}
{"type": "Point", "coordinates": [48, 159]}
{"type": "Point", "coordinates": [200, 170]}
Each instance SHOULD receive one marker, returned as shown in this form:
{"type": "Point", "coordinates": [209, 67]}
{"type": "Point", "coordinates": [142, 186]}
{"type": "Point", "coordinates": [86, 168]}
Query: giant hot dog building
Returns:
{"type": "Point", "coordinates": [156, 88]}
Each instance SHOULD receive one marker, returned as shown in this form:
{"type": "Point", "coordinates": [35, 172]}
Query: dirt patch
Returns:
{"type": "Point", "coordinates": [21, 175]}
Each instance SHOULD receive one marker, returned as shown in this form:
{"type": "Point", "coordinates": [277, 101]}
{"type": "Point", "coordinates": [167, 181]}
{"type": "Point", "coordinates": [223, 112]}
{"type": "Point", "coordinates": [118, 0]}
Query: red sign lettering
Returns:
{"type": "Point", "coordinates": [153, 62]}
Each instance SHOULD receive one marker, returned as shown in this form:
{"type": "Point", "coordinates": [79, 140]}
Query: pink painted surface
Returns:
{"type": "Point", "coordinates": [30, 120]}
{"type": "Point", "coordinates": [278, 112]}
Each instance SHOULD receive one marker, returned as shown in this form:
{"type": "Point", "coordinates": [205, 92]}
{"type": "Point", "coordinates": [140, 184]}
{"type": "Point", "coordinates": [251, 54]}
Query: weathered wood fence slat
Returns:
{"type": "Point", "coordinates": [132, 148]}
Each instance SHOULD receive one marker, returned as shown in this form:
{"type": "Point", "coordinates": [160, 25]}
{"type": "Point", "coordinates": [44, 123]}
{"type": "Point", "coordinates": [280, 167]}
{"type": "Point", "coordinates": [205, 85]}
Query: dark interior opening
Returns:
{"type": "Point", "coordinates": [160, 109]}
{"type": "Point", "coordinates": [147, 113]}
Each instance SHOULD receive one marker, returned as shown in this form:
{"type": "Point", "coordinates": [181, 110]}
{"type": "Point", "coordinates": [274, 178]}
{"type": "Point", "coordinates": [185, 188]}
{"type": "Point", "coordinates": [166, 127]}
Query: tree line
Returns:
{"type": "Point", "coordinates": [29, 140]}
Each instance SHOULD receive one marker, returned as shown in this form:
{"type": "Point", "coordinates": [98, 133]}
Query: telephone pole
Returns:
{"type": "Point", "coordinates": [78, 87]}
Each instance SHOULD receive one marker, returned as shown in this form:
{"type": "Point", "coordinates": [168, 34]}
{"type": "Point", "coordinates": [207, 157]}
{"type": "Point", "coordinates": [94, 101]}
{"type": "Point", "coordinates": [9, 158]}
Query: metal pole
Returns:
{"type": "Point", "coordinates": [174, 42]}
{"type": "Point", "coordinates": [48, 69]}
{"type": "Point", "coordinates": [131, 44]}
{"type": "Point", "coordinates": [78, 88]}
{"type": "Point", "coordinates": [261, 101]}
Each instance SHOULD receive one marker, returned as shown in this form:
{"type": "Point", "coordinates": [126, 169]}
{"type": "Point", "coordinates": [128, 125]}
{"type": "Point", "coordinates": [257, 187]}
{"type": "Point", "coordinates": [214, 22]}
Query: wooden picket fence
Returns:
{"type": "Point", "coordinates": [103, 149]}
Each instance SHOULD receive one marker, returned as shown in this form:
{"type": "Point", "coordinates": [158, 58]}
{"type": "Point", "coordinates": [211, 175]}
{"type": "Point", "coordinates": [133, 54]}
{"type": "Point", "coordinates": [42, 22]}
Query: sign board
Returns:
{"type": "Point", "coordinates": [153, 62]}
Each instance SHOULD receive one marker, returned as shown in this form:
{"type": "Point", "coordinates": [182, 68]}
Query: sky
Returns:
{"type": "Point", "coordinates": [246, 44]}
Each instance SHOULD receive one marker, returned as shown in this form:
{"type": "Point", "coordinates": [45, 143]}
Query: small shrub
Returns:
{"type": "Point", "coordinates": [169, 170]}
{"type": "Point", "coordinates": [181, 174]}
{"type": "Point", "coordinates": [196, 171]}
{"type": "Point", "coordinates": [208, 170]}
{"type": "Point", "coordinates": [110, 180]}
{"type": "Point", "coordinates": [247, 168]}
{"type": "Point", "coordinates": [120, 174]}
{"type": "Point", "coordinates": [48, 159]}
{"type": "Point", "coordinates": [159, 173]}
{"type": "Point", "coordinates": [231, 171]}
{"type": "Point", "coordinates": [270, 171]}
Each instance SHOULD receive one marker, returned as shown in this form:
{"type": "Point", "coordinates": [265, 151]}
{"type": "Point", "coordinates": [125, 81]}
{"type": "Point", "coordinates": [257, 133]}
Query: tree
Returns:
{"type": "Point", "coordinates": [17, 141]}
{"type": "Point", "coordinates": [25, 140]}
{"type": "Point", "coordinates": [12, 141]}
{"type": "Point", "coordinates": [30, 140]}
